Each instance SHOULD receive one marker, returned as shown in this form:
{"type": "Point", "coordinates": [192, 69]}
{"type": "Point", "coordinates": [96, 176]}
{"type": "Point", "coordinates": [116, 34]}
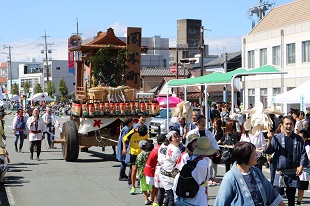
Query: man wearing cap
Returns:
{"type": "Point", "coordinates": [134, 137]}
{"type": "Point", "coordinates": [19, 127]}
{"type": "Point", "coordinates": [150, 167]}
{"type": "Point", "coordinates": [202, 131]}
{"type": "Point", "coordinates": [36, 128]}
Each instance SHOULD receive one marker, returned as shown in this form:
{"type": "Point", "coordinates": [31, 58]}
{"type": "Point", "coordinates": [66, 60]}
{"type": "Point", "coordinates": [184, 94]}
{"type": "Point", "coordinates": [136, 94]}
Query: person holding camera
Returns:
{"type": "Point", "coordinates": [36, 128]}
{"type": "Point", "coordinates": [50, 122]}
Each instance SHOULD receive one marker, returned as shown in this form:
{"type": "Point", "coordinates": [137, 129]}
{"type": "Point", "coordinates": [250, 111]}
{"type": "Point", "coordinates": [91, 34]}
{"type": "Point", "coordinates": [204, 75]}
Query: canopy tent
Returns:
{"type": "Point", "coordinates": [15, 98]}
{"type": "Point", "coordinates": [221, 78]}
{"type": "Point", "coordinates": [295, 96]}
{"type": "Point", "coordinates": [40, 97]}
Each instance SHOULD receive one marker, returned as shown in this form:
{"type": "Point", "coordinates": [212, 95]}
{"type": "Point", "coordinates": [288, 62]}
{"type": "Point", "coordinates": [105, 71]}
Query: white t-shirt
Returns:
{"type": "Point", "coordinates": [258, 140]}
{"type": "Point", "coordinates": [298, 125]}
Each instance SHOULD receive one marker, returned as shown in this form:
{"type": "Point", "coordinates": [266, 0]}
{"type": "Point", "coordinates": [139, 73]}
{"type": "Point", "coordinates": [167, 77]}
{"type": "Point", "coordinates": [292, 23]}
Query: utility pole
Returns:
{"type": "Point", "coordinates": [10, 65]}
{"type": "Point", "coordinates": [46, 58]}
{"type": "Point", "coordinates": [259, 10]}
{"type": "Point", "coordinates": [202, 60]}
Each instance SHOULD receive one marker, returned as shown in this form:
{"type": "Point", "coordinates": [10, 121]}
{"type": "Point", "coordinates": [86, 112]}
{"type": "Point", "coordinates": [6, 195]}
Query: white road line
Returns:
{"type": "Point", "coordinates": [10, 196]}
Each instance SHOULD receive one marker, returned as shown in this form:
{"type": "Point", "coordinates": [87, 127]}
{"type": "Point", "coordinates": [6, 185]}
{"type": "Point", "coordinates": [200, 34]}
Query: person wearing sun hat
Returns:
{"type": "Point", "coordinates": [203, 149]}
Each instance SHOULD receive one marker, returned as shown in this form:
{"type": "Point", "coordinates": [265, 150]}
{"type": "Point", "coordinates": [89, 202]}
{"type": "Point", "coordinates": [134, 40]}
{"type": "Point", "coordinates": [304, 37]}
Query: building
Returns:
{"type": "Point", "coordinates": [281, 38]}
{"type": "Point", "coordinates": [32, 72]}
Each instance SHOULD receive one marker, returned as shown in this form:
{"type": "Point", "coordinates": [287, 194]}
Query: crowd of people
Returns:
{"type": "Point", "coordinates": [27, 124]}
{"type": "Point", "coordinates": [160, 167]}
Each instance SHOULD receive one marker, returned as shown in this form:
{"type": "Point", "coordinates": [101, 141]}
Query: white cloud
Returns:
{"type": "Point", "coordinates": [29, 49]}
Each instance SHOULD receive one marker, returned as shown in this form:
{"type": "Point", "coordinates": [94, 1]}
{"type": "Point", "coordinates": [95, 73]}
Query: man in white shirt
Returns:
{"type": "Point", "coordinates": [50, 122]}
{"type": "Point", "coordinates": [36, 128]}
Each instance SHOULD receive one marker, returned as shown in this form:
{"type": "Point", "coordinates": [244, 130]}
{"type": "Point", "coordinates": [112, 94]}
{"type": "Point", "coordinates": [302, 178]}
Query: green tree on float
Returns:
{"type": "Point", "coordinates": [50, 88]}
{"type": "Point", "coordinates": [15, 89]}
{"type": "Point", "coordinates": [38, 89]}
{"type": "Point", "coordinates": [27, 86]}
{"type": "Point", "coordinates": [63, 89]}
{"type": "Point", "coordinates": [108, 66]}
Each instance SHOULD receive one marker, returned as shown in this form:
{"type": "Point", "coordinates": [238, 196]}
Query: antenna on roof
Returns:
{"type": "Point", "coordinates": [260, 10]}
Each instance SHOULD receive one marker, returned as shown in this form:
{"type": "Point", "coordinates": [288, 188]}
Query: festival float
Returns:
{"type": "Point", "coordinates": [105, 94]}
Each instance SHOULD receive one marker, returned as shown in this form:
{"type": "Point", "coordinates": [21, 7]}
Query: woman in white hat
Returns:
{"type": "Point", "coordinates": [167, 170]}
{"type": "Point", "coordinates": [257, 139]}
{"type": "Point", "coordinates": [201, 173]}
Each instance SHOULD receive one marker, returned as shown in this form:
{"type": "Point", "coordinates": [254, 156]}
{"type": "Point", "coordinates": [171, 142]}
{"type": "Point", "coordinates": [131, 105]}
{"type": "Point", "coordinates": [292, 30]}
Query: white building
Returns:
{"type": "Point", "coordinates": [281, 38]}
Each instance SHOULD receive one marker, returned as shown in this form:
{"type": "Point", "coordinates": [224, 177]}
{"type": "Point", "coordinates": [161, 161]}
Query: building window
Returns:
{"type": "Point", "coordinates": [251, 96]}
{"type": "Point", "coordinates": [276, 55]}
{"type": "Point", "coordinates": [263, 56]}
{"type": "Point", "coordinates": [276, 91]}
{"type": "Point", "coordinates": [289, 88]}
{"type": "Point", "coordinates": [251, 59]}
{"type": "Point", "coordinates": [57, 68]}
{"type": "Point", "coordinates": [290, 53]}
{"type": "Point", "coordinates": [263, 96]}
{"type": "Point", "coordinates": [306, 51]}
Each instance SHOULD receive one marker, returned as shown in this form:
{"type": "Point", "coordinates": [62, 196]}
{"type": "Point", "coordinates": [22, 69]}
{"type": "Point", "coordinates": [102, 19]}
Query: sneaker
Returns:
{"type": "Point", "coordinates": [38, 158]}
{"type": "Point", "coordinates": [211, 183]}
{"type": "Point", "coordinates": [122, 179]}
{"type": "Point", "coordinates": [16, 150]}
{"type": "Point", "coordinates": [20, 150]}
{"type": "Point", "coordinates": [133, 191]}
{"type": "Point", "coordinates": [147, 202]}
{"type": "Point", "coordinates": [31, 156]}
{"type": "Point", "coordinates": [155, 204]}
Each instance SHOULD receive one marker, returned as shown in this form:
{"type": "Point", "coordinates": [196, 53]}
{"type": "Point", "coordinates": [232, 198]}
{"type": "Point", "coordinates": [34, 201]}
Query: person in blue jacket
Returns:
{"type": "Point", "coordinates": [245, 184]}
{"type": "Point", "coordinates": [122, 148]}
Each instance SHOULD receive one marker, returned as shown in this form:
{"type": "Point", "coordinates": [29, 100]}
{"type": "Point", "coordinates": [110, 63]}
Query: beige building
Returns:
{"type": "Point", "coordinates": [281, 38]}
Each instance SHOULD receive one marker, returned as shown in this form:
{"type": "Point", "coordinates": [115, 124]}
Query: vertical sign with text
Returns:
{"type": "Point", "coordinates": [133, 57]}
{"type": "Point", "coordinates": [70, 59]}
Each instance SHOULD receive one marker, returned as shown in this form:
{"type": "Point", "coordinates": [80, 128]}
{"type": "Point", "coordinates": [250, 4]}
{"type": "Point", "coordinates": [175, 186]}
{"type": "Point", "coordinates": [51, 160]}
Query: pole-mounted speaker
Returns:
{"type": "Point", "coordinates": [75, 40]}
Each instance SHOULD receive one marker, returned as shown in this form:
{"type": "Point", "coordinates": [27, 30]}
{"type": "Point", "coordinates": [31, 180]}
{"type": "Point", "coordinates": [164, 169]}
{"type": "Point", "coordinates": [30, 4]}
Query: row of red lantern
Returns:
{"type": "Point", "coordinates": [114, 109]}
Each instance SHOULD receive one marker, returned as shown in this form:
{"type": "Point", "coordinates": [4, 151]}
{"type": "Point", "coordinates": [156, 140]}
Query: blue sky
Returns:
{"type": "Point", "coordinates": [24, 22]}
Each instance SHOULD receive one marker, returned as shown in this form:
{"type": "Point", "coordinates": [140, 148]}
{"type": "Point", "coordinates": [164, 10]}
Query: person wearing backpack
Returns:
{"type": "Point", "coordinates": [191, 183]}
{"type": "Point", "coordinates": [19, 127]}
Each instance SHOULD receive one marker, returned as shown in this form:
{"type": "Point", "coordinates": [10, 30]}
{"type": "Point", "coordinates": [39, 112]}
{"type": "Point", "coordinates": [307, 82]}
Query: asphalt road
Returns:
{"type": "Point", "coordinates": [91, 180]}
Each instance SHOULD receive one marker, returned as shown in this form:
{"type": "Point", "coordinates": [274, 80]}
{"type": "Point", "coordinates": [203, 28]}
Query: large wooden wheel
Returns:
{"type": "Point", "coordinates": [70, 147]}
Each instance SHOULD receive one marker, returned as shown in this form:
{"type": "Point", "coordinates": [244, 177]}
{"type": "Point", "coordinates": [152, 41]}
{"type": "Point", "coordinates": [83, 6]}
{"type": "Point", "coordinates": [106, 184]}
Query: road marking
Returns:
{"type": "Point", "coordinates": [10, 196]}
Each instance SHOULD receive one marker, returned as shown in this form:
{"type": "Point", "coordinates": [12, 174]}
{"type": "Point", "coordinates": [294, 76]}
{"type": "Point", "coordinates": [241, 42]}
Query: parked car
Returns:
{"type": "Point", "coordinates": [158, 124]}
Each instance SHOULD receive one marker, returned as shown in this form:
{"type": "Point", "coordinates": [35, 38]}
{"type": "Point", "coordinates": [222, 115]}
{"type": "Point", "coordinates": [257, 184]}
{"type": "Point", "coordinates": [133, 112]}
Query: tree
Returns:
{"type": "Point", "coordinates": [63, 89]}
{"type": "Point", "coordinates": [50, 88]}
{"type": "Point", "coordinates": [38, 89]}
{"type": "Point", "coordinates": [27, 87]}
{"type": "Point", "coordinates": [15, 89]}
{"type": "Point", "coordinates": [109, 66]}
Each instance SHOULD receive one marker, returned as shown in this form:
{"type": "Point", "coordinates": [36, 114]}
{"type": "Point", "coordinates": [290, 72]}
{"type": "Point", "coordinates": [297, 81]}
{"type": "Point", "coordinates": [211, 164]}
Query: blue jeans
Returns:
{"type": "Point", "coordinates": [20, 136]}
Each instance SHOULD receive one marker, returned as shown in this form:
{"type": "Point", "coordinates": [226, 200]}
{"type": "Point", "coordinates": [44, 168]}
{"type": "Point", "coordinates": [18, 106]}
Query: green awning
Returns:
{"type": "Point", "coordinates": [224, 78]}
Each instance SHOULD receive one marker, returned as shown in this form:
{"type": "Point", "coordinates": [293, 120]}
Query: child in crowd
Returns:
{"type": "Point", "coordinates": [140, 162]}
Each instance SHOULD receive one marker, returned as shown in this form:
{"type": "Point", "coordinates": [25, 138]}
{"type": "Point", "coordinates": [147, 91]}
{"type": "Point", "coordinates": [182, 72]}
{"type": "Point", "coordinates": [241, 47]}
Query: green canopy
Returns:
{"type": "Point", "coordinates": [224, 78]}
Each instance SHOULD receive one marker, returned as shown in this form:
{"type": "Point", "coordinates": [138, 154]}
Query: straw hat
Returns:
{"type": "Point", "coordinates": [247, 125]}
{"type": "Point", "coordinates": [203, 147]}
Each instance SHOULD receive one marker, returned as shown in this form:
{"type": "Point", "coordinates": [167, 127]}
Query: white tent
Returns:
{"type": "Point", "coordinates": [40, 97]}
{"type": "Point", "coordinates": [295, 96]}
{"type": "Point", "coordinates": [15, 98]}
